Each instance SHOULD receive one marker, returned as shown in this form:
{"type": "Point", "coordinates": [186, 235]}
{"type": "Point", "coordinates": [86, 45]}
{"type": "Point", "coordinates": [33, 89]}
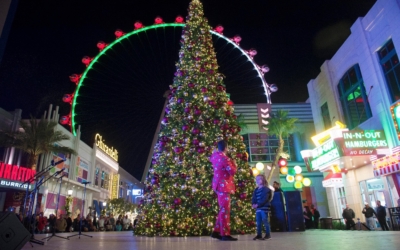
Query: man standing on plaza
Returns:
{"type": "Point", "coordinates": [381, 215]}
{"type": "Point", "coordinates": [223, 184]}
{"type": "Point", "coordinates": [348, 216]}
{"type": "Point", "coordinates": [369, 215]}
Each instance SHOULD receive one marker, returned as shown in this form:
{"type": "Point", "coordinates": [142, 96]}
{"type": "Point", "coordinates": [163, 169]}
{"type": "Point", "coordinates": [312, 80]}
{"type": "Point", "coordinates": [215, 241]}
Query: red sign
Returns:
{"type": "Point", "coordinates": [15, 173]}
{"type": "Point", "coordinates": [359, 151]}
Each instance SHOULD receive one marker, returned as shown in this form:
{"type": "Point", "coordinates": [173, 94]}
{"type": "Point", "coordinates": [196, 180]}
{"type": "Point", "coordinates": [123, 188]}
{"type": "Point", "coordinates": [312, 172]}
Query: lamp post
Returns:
{"type": "Point", "coordinates": [70, 192]}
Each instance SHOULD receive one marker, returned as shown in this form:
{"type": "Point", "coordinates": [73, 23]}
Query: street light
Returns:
{"type": "Point", "coordinates": [104, 203]}
{"type": "Point", "coordinates": [70, 192]}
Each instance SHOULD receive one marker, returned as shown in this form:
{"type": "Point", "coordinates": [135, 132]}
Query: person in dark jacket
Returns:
{"type": "Point", "coordinates": [348, 216]}
{"type": "Point", "coordinates": [316, 216]}
{"type": "Point", "coordinates": [307, 217]}
{"type": "Point", "coordinates": [381, 215]}
{"type": "Point", "coordinates": [261, 201]}
{"type": "Point", "coordinates": [369, 215]}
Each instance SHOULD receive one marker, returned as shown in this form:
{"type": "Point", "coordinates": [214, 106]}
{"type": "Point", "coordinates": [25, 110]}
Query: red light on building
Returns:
{"type": "Point", "coordinates": [282, 162]}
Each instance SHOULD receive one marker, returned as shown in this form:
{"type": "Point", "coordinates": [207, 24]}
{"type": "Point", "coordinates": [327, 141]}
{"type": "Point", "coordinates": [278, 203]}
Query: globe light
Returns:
{"type": "Point", "coordinates": [297, 169]}
{"type": "Point", "coordinates": [291, 172]}
{"type": "Point", "coordinates": [282, 162]}
{"type": "Point", "coordinates": [260, 166]}
{"type": "Point", "coordinates": [306, 182]}
{"type": "Point", "coordinates": [255, 171]}
{"type": "Point", "coordinates": [298, 184]}
{"type": "Point", "coordinates": [298, 177]}
{"type": "Point", "coordinates": [104, 204]}
{"type": "Point", "coordinates": [290, 178]}
{"type": "Point", "coordinates": [70, 192]}
{"type": "Point", "coordinates": [284, 170]}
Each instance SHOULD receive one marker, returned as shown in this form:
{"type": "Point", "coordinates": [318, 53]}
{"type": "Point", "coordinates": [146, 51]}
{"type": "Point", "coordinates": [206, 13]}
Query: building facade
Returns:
{"type": "Point", "coordinates": [353, 101]}
{"type": "Point", "coordinates": [97, 166]}
{"type": "Point", "coordinates": [262, 147]}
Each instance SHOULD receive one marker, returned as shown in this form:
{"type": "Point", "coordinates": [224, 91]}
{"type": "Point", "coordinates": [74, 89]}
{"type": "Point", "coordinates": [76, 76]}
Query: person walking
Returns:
{"type": "Point", "coordinates": [348, 216]}
{"type": "Point", "coordinates": [261, 201]}
{"type": "Point", "coordinates": [223, 185]}
{"type": "Point", "coordinates": [369, 215]}
{"type": "Point", "coordinates": [381, 215]}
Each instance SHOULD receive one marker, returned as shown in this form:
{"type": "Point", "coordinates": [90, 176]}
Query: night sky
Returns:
{"type": "Point", "coordinates": [123, 97]}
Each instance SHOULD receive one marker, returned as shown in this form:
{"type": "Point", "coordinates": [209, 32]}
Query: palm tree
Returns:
{"type": "Point", "coordinates": [281, 126]}
{"type": "Point", "coordinates": [37, 137]}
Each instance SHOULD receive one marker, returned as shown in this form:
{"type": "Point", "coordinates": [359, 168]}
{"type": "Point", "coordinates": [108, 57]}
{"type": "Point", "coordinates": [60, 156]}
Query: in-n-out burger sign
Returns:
{"type": "Point", "coordinates": [113, 153]}
{"type": "Point", "coordinates": [14, 176]}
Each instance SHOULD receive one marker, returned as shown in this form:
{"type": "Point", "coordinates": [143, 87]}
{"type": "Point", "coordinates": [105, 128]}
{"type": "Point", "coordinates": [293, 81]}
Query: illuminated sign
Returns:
{"type": "Point", "coordinates": [325, 135]}
{"type": "Point", "coordinates": [14, 184]}
{"type": "Point", "coordinates": [15, 173]}
{"type": "Point", "coordinates": [264, 110]}
{"type": "Point", "coordinates": [324, 154]}
{"type": "Point", "coordinates": [365, 139]}
{"type": "Point", "coordinates": [395, 111]}
{"type": "Point", "coordinates": [115, 186]}
{"type": "Point", "coordinates": [113, 153]}
{"type": "Point", "coordinates": [137, 192]}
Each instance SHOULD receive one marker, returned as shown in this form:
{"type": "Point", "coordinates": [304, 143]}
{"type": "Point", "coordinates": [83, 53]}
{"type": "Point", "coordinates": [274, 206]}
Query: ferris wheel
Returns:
{"type": "Point", "coordinates": [125, 42]}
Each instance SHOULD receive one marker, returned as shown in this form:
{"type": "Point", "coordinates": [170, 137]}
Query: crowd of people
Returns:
{"type": "Point", "coordinates": [380, 213]}
{"type": "Point", "coordinates": [90, 223]}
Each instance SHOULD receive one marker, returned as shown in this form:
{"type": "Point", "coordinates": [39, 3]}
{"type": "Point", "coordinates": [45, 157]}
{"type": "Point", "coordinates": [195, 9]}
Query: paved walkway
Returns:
{"type": "Point", "coordinates": [312, 239]}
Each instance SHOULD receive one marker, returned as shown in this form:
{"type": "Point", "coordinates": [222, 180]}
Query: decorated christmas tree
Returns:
{"type": "Point", "coordinates": [179, 200]}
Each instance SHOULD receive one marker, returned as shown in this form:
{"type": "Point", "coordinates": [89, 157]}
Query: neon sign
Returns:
{"type": "Point", "coordinates": [14, 184]}
{"type": "Point", "coordinates": [324, 154]}
{"type": "Point", "coordinates": [395, 111]}
{"type": "Point", "coordinates": [365, 139]}
{"type": "Point", "coordinates": [113, 153]}
{"type": "Point", "coordinates": [15, 173]}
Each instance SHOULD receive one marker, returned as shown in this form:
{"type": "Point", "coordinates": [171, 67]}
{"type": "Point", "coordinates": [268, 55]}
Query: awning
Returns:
{"type": "Point", "coordinates": [387, 165]}
{"type": "Point", "coordinates": [333, 180]}
{"type": "Point", "coordinates": [387, 170]}
{"type": "Point", "coordinates": [97, 207]}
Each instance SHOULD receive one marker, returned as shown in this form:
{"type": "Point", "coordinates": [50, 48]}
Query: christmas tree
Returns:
{"type": "Point", "coordinates": [179, 200]}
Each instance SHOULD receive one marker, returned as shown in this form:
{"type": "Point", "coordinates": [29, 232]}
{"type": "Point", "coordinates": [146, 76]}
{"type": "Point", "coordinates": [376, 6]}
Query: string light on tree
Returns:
{"type": "Point", "coordinates": [178, 199]}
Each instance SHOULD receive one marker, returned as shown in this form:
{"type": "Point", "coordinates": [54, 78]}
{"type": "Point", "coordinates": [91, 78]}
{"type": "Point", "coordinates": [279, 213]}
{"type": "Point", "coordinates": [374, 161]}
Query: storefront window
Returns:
{"type": "Point", "coordinates": [373, 190]}
{"type": "Point", "coordinates": [353, 97]}
{"type": "Point", "coordinates": [102, 178]}
{"type": "Point", "coordinates": [326, 116]}
{"type": "Point", "coordinates": [106, 180]}
{"type": "Point", "coordinates": [391, 67]}
{"type": "Point", "coordinates": [341, 194]}
{"type": "Point", "coordinates": [96, 177]}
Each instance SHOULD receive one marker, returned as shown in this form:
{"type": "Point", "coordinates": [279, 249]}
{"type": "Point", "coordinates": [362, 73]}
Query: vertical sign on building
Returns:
{"type": "Point", "coordinates": [395, 111]}
{"type": "Point", "coordinates": [115, 186]}
{"type": "Point", "coordinates": [264, 110]}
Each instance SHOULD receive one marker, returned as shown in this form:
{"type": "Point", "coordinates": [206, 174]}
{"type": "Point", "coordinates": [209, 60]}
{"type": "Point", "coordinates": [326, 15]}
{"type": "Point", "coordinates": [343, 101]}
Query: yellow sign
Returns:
{"type": "Point", "coordinates": [325, 135]}
{"type": "Point", "coordinates": [113, 153]}
{"type": "Point", "coordinates": [115, 186]}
